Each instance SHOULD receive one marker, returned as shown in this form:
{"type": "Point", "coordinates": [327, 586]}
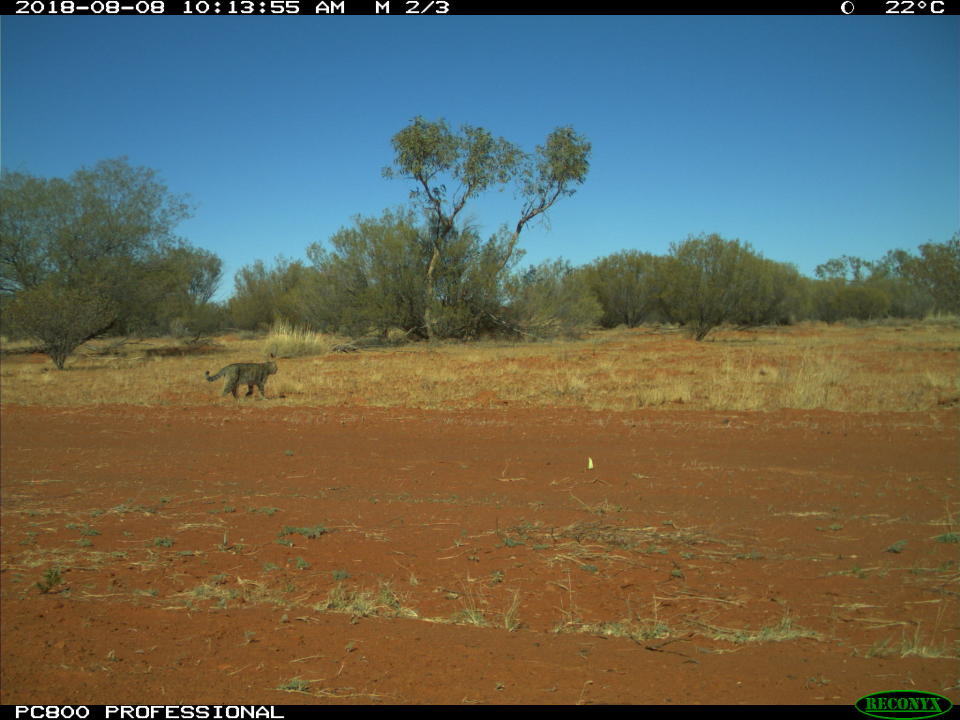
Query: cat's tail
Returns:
{"type": "Point", "coordinates": [211, 378]}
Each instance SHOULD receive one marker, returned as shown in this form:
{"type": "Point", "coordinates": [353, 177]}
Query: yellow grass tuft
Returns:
{"type": "Point", "coordinates": [286, 340]}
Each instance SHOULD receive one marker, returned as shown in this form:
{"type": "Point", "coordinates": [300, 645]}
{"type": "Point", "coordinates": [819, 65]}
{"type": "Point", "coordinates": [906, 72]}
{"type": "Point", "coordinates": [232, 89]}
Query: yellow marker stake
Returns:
{"type": "Point", "coordinates": [589, 463]}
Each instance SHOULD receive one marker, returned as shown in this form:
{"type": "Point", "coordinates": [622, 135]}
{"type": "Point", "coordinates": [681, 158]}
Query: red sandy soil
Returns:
{"type": "Point", "coordinates": [703, 534]}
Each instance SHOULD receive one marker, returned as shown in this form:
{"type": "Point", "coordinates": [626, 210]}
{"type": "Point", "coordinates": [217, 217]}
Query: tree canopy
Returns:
{"type": "Point", "coordinates": [102, 240]}
{"type": "Point", "coordinates": [449, 169]}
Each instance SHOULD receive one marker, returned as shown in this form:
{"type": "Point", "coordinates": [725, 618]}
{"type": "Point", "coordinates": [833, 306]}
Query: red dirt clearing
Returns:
{"type": "Point", "coordinates": [297, 555]}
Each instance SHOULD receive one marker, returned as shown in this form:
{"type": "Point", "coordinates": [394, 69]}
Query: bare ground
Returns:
{"type": "Point", "coordinates": [300, 555]}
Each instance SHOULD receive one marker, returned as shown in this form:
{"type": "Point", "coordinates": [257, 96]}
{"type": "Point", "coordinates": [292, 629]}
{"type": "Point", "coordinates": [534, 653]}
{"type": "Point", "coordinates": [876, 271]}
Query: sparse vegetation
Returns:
{"type": "Point", "coordinates": [569, 540]}
{"type": "Point", "coordinates": [311, 533]}
{"type": "Point", "coordinates": [471, 611]}
{"type": "Point", "coordinates": [871, 369]}
{"type": "Point", "coordinates": [51, 579]}
{"type": "Point", "coordinates": [364, 603]}
{"type": "Point", "coordinates": [898, 547]}
{"type": "Point", "coordinates": [295, 684]}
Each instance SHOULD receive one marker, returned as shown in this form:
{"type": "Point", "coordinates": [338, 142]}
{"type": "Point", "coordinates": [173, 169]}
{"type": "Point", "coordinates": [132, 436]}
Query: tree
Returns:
{"type": "Point", "coordinates": [103, 238]}
{"type": "Point", "coordinates": [769, 293]}
{"type": "Point", "coordinates": [892, 275]}
{"type": "Point", "coordinates": [846, 267]}
{"type": "Point", "coordinates": [261, 295]}
{"type": "Point", "coordinates": [373, 278]}
{"type": "Point", "coordinates": [372, 274]}
{"type": "Point", "coordinates": [860, 302]}
{"type": "Point", "coordinates": [938, 271]}
{"type": "Point", "coordinates": [708, 281]}
{"type": "Point", "coordinates": [470, 287]}
{"type": "Point", "coordinates": [450, 169]}
{"type": "Point", "coordinates": [627, 285]}
{"type": "Point", "coordinates": [287, 291]}
{"type": "Point", "coordinates": [85, 228]}
{"type": "Point", "coordinates": [899, 284]}
{"type": "Point", "coordinates": [176, 289]}
{"type": "Point", "coordinates": [61, 318]}
{"type": "Point", "coordinates": [31, 217]}
{"type": "Point", "coordinates": [551, 299]}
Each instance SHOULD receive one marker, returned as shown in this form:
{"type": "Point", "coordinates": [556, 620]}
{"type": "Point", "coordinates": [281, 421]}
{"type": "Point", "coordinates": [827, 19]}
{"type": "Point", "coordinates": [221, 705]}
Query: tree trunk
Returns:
{"type": "Point", "coordinates": [429, 320]}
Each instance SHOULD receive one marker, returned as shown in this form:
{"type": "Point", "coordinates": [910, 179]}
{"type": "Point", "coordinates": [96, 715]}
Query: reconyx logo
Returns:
{"type": "Point", "coordinates": [907, 704]}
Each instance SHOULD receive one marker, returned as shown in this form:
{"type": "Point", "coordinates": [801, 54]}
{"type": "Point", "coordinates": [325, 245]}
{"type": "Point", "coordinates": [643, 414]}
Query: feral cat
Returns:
{"type": "Point", "coordinates": [248, 374]}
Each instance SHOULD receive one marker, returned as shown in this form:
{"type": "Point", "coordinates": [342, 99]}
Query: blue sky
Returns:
{"type": "Point", "coordinates": [808, 137]}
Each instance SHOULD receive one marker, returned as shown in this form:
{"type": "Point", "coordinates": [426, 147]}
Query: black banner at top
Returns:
{"type": "Point", "coordinates": [472, 7]}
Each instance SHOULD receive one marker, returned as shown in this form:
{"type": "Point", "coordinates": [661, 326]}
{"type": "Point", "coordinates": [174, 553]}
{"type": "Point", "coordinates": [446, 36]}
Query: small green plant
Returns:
{"type": "Point", "coordinates": [296, 684]}
{"type": "Point", "coordinates": [85, 530]}
{"type": "Point", "coordinates": [340, 575]}
{"type": "Point", "coordinates": [307, 532]}
{"type": "Point", "coordinates": [163, 542]}
{"type": "Point", "coordinates": [51, 578]}
{"type": "Point", "coordinates": [950, 537]}
{"type": "Point", "coordinates": [897, 547]}
{"type": "Point", "coordinates": [301, 564]}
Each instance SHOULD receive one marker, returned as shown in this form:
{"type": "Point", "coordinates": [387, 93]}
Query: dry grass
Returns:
{"type": "Point", "coordinates": [286, 340]}
{"type": "Point", "coordinates": [879, 368]}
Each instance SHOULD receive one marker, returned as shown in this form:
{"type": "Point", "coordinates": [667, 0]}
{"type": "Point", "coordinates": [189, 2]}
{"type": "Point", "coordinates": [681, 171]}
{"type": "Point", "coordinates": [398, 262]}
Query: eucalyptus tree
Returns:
{"type": "Point", "coordinates": [450, 168]}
